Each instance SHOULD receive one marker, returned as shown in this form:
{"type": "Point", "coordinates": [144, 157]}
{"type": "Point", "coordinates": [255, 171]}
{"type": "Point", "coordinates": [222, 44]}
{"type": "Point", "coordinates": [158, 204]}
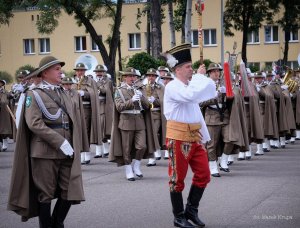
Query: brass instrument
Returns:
{"type": "Point", "coordinates": [135, 89]}
{"type": "Point", "coordinates": [149, 92]}
{"type": "Point", "coordinates": [287, 80]}
{"type": "Point", "coordinates": [80, 83]}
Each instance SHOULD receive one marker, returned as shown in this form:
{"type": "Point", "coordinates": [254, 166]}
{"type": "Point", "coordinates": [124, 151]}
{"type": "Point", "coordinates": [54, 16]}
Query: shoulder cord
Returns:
{"type": "Point", "coordinates": [44, 110]}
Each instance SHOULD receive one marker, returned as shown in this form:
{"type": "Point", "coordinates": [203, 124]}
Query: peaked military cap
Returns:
{"type": "Point", "coordinates": [163, 68]}
{"type": "Point", "coordinates": [3, 81]}
{"type": "Point", "coordinates": [152, 71]}
{"type": "Point", "coordinates": [168, 75]}
{"type": "Point", "coordinates": [258, 74]}
{"type": "Point", "coordinates": [47, 62]}
{"type": "Point", "coordinates": [179, 55]}
{"type": "Point", "coordinates": [80, 66]}
{"type": "Point", "coordinates": [270, 74]}
{"type": "Point", "coordinates": [100, 68]}
{"type": "Point", "coordinates": [130, 71]}
{"type": "Point", "coordinates": [23, 73]}
{"type": "Point", "coordinates": [214, 66]}
{"type": "Point", "coordinates": [67, 80]}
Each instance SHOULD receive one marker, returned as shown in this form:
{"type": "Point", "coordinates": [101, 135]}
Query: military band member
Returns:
{"type": "Point", "coordinates": [67, 83]}
{"type": "Point", "coordinates": [155, 95]}
{"type": "Point", "coordinates": [254, 120]}
{"type": "Point", "coordinates": [105, 94]}
{"type": "Point", "coordinates": [217, 114]}
{"type": "Point", "coordinates": [186, 133]}
{"type": "Point", "coordinates": [296, 103]}
{"type": "Point", "coordinates": [87, 88]}
{"type": "Point", "coordinates": [167, 78]}
{"type": "Point", "coordinates": [5, 118]}
{"type": "Point", "coordinates": [48, 135]}
{"type": "Point", "coordinates": [268, 112]}
{"type": "Point", "coordinates": [132, 134]}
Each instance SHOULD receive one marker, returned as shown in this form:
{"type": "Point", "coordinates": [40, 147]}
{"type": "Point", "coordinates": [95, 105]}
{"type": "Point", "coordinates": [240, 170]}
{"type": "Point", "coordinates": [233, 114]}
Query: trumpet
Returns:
{"type": "Point", "coordinates": [80, 83]}
{"type": "Point", "coordinates": [135, 89]}
{"type": "Point", "coordinates": [149, 92]}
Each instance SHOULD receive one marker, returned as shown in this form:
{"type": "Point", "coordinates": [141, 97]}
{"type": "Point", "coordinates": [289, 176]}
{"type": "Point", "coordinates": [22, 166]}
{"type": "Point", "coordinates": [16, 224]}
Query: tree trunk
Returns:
{"type": "Point", "coordinates": [183, 22]}
{"type": "Point", "coordinates": [149, 35]}
{"type": "Point", "coordinates": [188, 18]}
{"type": "Point", "coordinates": [171, 23]}
{"type": "Point", "coordinates": [156, 28]}
{"type": "Point", "coordinates": [120, 60]}
{"type": "Point", "coordinates": [286, 47]}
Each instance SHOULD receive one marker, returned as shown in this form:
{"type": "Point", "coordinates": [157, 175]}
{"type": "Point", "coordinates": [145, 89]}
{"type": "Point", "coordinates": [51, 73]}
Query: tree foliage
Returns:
{"type": "Point", "coordinates": [143, 61]}
{"type": "Point", "coordinates": [247, 16]}
{"type": "Point", "coordinates": [25, 67]}
{"type": "Point", "coordinates": [6, 76]}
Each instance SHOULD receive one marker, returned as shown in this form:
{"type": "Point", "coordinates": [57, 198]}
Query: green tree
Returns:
{"type": "Point", "coordinates": [85, 12]}
{"type": "Point", "coordinates": [247, 16]}
{"type": "Point", "coordinates": [25, 67]}
{"type": "Point", "coordinates": [6, 76]}
{"type": "Point", "coordinates": [290, 22]}
{"type": "Point", "coordinates": [143, 61]}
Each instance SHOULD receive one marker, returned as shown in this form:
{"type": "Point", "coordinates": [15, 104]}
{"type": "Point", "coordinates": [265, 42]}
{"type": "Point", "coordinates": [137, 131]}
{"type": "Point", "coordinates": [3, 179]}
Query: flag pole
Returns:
{"type": "Point", "coordinates": [199, 10]}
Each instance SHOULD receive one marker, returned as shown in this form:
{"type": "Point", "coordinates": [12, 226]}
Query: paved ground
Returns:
{"type": "Point", "coordinates": [263, 192]}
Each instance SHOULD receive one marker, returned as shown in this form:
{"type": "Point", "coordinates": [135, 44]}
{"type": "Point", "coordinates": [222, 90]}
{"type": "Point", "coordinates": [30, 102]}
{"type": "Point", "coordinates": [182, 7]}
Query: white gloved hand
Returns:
{"type": "Point", "coordinates": [138, 92]}
{"type": "Point", "coordinates": [18, 87]}
{"type": "Point", "coordinates": [258, 88]}
{"type": "Point", "coordinates": [151, 99]}
{"type": "Point", "coordinates": [222, 89]}
{"type": "Point", "coordinates": [284, 87]}
{"type": "Point", "coordinates": [81, 93]}
{"type": "Point", "coordinates": [66, 148]}
{"type": "Point", "coordinates": [135, 98]}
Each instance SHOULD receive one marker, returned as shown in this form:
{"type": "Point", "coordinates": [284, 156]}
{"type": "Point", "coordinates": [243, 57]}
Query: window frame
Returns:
{"type": "Point", "coordinates": [272, 34]}
{"type": "Point", "coordinates": [210, 38]}
{"type": "Point", "coordinates": [31, 46]}
{"type": "Point", "coordinates": [81, 44]}
{"type": "Point", "coordinates": [94, 44]}
{"type": "Point", "coordinates": [135, 43]}
{"type": "Point", "coordinates": [253, 37]}
{"type": "Point", "coordinates": [192, 38]}
{"type": "Point", "coordinates": [45, 44]}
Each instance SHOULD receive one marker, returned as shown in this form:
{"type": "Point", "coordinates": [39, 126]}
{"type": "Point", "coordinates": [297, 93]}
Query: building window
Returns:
{"type": "Point", "coordinates": [271, 34]}
{"type": "Point", "coordinates": [194, 38]}
{"type": "Point", "coordinates": [94, 45]}
{"type": "Point", "coordinates": [292, 64]}
{"type": "Point", "coordinates": [28, 46]}
{"type": "Point", "coordinates": [294, 36]}
{"type": "Point", "coordinates": [254, 66]}
{"type": "Point", "coordinates": [44, 45]}
{"type": "Point", "coordinates": [210, 37]}
{"type": "Point", "coordinates": [80, 43]}
{"type": "Point", "coordinates": [135, 41]}
{"type": "Point", "coordinates": [253, 37]}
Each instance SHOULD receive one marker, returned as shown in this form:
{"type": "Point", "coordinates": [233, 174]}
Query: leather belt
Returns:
{"type": "Point", "coordinates": [155, 109]}
{"type": "Point", "coordinates": [135, 112]}
{"type": "Point", "coordinates": [183, 131]}
{"type": "Point", "coordinates": [65, 126]}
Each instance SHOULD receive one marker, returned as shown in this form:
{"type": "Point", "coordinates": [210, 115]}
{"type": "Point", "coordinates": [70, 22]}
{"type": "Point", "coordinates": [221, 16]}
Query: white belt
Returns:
{"type": "Point", "coordinates": [131, 112]}
{"type": "Point", "coordinates": [215, 106]}
{"type": "Point", "coordinates": [261, 102]}
{"type": "Point", "coordinates": [102, 98]}
{"type": "Point", "coordinates": [155, 109]}
{"type": "Point", "coordinates": [246, 102]}
{"type": "Point", "coordinates": [86, 102]}
{"type": "Point", "coordinates": [16, 104]}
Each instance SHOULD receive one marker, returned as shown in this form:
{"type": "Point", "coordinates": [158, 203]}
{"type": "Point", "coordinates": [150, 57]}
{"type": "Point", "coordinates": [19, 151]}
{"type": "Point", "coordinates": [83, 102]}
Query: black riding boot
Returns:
{"type": "Point", "coordinates": [191, 210]}
{"type": "Point", "coordinates": [178, 211]}
{"type": "Point", "coordinates": [60, 212]}
{"type": "Point", "coordinates": [45, 215]}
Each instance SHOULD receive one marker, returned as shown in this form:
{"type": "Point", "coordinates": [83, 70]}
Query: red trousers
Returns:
{"type": "Point", "coordinates": [183, 154]}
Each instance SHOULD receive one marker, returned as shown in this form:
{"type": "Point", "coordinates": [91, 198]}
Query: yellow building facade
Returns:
{"type": "Point", "coordinates": [21, 44]}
